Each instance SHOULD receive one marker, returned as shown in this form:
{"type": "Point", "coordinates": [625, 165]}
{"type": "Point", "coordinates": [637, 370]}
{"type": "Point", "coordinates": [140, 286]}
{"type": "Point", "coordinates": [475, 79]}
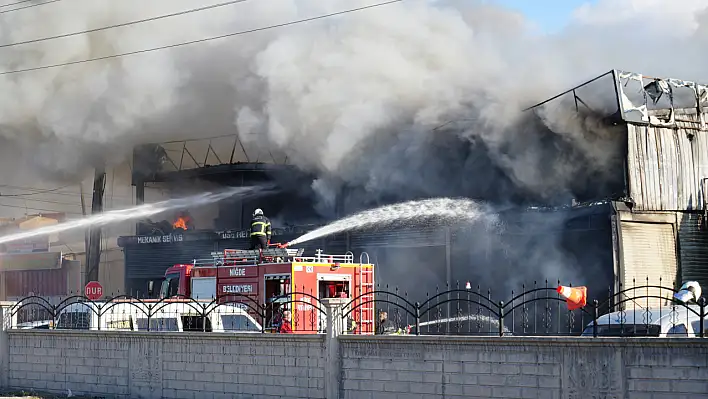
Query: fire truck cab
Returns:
{"type": "Point", "coordinates": [279, 279]}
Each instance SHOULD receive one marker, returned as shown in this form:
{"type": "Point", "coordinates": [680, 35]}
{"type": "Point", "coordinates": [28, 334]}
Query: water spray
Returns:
{"type": "Point", "coordinates": [137, 212]}
{"type": "Point", "coordinates": [423, 212]}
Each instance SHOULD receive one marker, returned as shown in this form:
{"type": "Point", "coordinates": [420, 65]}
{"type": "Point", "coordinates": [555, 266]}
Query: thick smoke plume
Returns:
{"type": "Point", "coordinates": [415, 99]}
{"type": "Point", "coordinates": [325, 93]}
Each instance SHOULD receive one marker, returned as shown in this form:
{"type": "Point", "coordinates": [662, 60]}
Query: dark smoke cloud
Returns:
{"type": "Point", "coordinates": [319, 93]}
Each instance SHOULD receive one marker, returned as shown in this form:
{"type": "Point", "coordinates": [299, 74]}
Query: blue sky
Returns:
{"type": "Point", "coordinates": [549, 15]}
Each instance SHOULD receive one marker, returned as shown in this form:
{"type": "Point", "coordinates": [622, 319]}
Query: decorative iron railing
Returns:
{"type": "Point", "coordinates": [302, 312]}
{"type": "Point", "coordinates": [640, 311]}
{"type": "Point", "coordinates": [538, 310]}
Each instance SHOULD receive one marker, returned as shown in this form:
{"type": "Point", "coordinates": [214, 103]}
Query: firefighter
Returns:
{"type": "Point", "coordinates": [285, 327]}
{"type": "Point", "coordinates": [260, 230]}
{"type": "Point", "coordinates": [385, 326]}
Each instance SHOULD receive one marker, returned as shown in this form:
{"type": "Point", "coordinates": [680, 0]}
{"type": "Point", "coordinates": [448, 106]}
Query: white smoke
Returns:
{"type": "Point", "coordinates": [328, 94]}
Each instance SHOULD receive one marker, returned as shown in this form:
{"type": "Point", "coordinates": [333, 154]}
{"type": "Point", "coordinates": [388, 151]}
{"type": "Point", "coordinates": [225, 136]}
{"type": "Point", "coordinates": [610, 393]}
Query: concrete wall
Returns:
{"type": "Point", "coordinates": [174, 365]}
{"type": "Point", "coordinates": [454, 367]}
{"type": "Point", "coordinates": [170, 365]}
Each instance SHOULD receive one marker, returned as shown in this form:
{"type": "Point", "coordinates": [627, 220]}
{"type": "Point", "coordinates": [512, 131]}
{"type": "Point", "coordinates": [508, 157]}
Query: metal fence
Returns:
{"type": "Point", "coordinates": [296, 311]}
{"type": "Point", "coordinates": [537, 310]}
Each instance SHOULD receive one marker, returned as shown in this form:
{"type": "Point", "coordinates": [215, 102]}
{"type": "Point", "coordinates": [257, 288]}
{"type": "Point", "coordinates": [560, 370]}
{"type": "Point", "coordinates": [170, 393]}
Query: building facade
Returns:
{"type": "Point", "coordinates": [642, 218]}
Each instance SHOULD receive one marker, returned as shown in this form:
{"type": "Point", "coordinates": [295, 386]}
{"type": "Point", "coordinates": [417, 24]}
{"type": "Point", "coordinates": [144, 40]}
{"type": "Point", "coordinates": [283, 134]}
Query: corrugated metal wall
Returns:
{"type": "Point", "coordinates": [47, 282]}
{"type": "Point", "coordinates": [693, 249]}
{"type": "Point", "coordinates": [666, 165]}
{"type": "Point", "coordinates": [666, 171]}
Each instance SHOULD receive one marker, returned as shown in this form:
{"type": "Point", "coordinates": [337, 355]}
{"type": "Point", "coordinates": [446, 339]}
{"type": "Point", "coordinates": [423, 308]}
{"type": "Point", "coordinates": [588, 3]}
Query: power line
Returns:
{"type": "Point", "coordinates": [29, 6]}
{"type": "Point", "coordinates": [77, 203]}
{"type": "Point", "coordinates": [139, 21]}
{"type": "Point", "coordinates": [70, 193]}
{"type": "Point", "coordinates": [25, 200]}
{"type": "Point", "coordinates": [35, 193]}
{"type": "Point", "coordinates": [39, 209]}
{"type": "Point", "coordinates": [299, 21]}
{"type": "Point", "coordinates": [38, 190]}
{"type": "Point", "coordinates": [17, 2]}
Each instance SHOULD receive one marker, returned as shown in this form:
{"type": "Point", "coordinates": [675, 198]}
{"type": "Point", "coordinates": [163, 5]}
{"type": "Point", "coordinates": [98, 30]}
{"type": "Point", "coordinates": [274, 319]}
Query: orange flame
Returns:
{"type": "Point", "coordinates": [180, 223]}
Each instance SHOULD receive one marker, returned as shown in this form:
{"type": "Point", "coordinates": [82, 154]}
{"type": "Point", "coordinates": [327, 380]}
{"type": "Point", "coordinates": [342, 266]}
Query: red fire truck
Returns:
{"type": "Point", "coordinates": [282, 279]}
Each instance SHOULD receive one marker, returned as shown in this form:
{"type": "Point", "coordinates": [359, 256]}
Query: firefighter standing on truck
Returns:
{"type": "Point", "coordinates": [260, 230]}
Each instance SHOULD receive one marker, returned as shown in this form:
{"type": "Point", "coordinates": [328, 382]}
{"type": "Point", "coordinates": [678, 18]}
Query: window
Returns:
{"type": "Point", "coordinates": [238, 323]}
{"type": "Point", "coordinates": [624, 330]}
{"type": "Point", "coordinates": [170, 286]}
{"type": "Point", "coordinates": [196, 323]}
{"type": "Point", "coordinates": [158, 324]}
{"type": "Point", "coordinates": [73, 321]}
{"type": "Point", "coordinates": [677, 330]}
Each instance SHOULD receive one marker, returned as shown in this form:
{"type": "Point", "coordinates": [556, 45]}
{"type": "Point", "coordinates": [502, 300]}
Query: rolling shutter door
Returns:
{"type": "Point", "coordinates": [694, 250]}
{"type": "Point", "coordinates": [150, 261]}
{"type": "Point", "coordinates": [399, 238]}
{"type": "Point", "coordinates": [648, 250]}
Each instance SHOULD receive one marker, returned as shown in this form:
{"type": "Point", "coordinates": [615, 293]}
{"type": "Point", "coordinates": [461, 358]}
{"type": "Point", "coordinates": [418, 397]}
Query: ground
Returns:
{"type": "Point", "coordinates": [39, 395]}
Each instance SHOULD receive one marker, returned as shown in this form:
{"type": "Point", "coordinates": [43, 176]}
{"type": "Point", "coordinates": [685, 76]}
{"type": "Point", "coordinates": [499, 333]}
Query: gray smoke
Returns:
{"type": "Point", "coordinates": [409, 100]}
{"type": "Point", "coordinates": [320, 93]}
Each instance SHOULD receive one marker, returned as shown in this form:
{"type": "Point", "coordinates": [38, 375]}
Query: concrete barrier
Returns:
{"type": "Point", "coordinates": [215, 365]}
{"type": "Point", "coordinates": [169, 365]}
{"type": "Point", "coordinates": [553, 368]}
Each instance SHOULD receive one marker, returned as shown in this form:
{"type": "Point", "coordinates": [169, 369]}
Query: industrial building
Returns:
{"type": "Point", "coordinates": [642, 217]}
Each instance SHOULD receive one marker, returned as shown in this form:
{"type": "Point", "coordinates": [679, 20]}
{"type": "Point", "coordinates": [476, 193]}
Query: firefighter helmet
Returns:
{"type": "Point", "coordinates": [258, 212]}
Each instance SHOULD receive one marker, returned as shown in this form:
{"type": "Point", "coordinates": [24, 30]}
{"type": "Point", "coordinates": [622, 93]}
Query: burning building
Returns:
{"type": "Point", "coordinates": [632, 204]}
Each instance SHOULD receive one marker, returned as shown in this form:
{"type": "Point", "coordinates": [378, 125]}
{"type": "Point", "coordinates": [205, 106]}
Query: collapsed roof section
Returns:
{"type": "Point", "coordinates": [202, 158]}
{"type": "Point", "coordinates": [658, 101]}
{"type": "Point", "coordinates": [663, 161]}
{"type": "Point", "coordinates": [638, 99]}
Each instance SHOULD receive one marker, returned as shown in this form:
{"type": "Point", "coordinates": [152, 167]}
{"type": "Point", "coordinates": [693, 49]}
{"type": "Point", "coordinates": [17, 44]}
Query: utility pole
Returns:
{"type": "Point", "coordinates": [93, 251]}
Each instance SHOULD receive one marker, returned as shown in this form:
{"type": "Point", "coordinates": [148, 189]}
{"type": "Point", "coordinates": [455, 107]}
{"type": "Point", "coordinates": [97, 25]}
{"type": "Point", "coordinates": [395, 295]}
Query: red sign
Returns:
{"type": "Point", "coordinates": [93, 290]}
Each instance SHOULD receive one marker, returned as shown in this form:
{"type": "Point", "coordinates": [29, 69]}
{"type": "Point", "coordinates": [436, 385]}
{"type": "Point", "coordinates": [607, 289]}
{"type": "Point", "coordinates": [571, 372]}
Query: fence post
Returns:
{"type": "Point", "coordinates": [334, 308]}
{"type": "Point", "coordinates": [417, 318]}
{"type": "Point", "coordinates": [501, 318]}
{"type": "Point", "coordinates": [5, 324]}
{"type": "Point", "coordinates": [263, 309]}
{"type": "Point", "coordinates": [595, 315]}
{"type": "Point", "coordinates": [702, 304]}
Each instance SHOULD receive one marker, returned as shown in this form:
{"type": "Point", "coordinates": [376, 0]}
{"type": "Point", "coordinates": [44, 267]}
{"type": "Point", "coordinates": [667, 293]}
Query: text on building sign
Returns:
{"type": "Point", "coordinates": [234, 234]}
{"type": "Point", "coordinates": [160, 239]}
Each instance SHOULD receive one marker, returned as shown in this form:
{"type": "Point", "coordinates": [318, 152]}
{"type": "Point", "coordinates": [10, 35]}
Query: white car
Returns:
{"type": "Point", "coordinates": [667, 321]}
{"type": "Point", "coordinates": [170, 316]}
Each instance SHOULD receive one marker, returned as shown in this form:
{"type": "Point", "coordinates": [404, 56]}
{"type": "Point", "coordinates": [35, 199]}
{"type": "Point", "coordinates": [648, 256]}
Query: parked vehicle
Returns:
{"type": "Point", "coordinates": [674, 320]}
{"type": "Point", "coordinates": [132, 315]}
{"type": "Point", "coordinates": [282, 279]}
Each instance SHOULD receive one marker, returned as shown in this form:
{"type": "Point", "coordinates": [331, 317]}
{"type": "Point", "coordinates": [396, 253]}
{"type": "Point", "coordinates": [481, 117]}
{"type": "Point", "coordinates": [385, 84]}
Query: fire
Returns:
{"type": "Point", "coordinates": [180, 223]}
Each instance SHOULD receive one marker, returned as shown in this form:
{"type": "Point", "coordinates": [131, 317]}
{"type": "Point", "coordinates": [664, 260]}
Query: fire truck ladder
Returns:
{"type": "Point", "coordinates": [366, 288]}
{"type": "Point", "coordinates": [276, 255]}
